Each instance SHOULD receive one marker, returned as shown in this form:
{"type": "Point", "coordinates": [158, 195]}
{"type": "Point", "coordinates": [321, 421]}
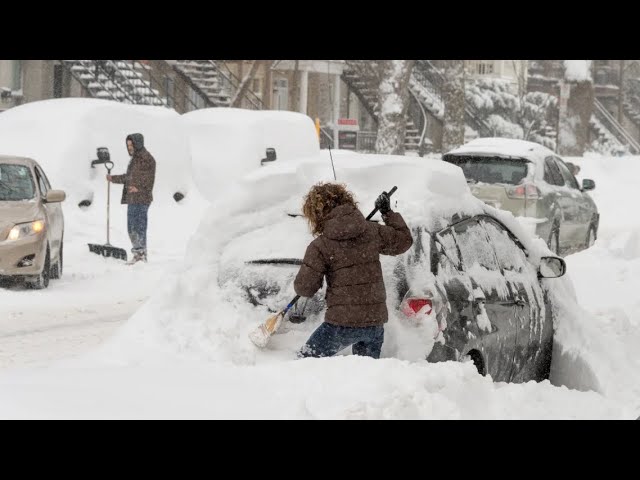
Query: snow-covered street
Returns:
{"type": "Point", "coordinates": [166, 340]}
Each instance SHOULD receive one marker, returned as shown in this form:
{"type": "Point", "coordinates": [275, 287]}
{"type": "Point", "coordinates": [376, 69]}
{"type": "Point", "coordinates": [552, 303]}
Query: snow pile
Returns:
{"type": "Point", "coordinates": [63, 134]}
{"type": "Point", "coordinates": [195, 316]}
{"type": "Point", "coordinates": [601, 332]}
{"type": "Point", "coordinates": [577, 70]}
{"type": "Point", "coordinates": [328, 388]}
{"type": "Point", "coordinates": [227, 143]}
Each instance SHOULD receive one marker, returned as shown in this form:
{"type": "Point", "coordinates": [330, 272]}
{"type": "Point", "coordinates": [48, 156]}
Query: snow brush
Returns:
{"type": "Point", "coordinates": [261, 335]}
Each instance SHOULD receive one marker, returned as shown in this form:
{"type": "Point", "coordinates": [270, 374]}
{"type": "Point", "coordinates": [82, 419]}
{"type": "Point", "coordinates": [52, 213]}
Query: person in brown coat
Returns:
{"type": "Point", "coordinates": [137, 193]}
{"type": "Point", "coordinates": [346, 252]}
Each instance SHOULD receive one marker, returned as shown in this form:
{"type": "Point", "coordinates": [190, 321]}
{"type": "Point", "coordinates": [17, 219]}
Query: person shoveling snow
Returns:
{"type": "Point", "coordinates": [346, 252]}
{"type": "Point", "coordinates": [137, 193]}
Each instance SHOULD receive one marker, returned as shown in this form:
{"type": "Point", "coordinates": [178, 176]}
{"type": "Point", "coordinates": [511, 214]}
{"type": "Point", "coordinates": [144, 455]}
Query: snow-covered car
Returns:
{"type": "Point", "coordinates": [31, 223]}
{"type": "Point", "coordinates": [472, 272]}
{"type": "Point", "coordinates": [529, 180]}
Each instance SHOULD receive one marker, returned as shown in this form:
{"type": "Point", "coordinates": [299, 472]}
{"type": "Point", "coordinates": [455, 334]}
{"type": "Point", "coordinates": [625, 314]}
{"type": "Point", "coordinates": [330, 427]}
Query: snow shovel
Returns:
{"type": "Point", "coordinates": [261, 335]}
{"type": "Point", "coordinates": [106, 250]}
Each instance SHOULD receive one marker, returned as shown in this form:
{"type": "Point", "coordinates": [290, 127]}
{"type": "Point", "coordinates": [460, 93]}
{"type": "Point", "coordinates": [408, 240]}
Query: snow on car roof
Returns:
{"type": "Point", "coordinates": [507, 147]}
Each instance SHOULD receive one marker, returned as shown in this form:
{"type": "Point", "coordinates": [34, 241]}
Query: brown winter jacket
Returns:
{"type": "Point", "coordinates": [347, 253]}
{"type": "Point", "coordinates": [141, 173]}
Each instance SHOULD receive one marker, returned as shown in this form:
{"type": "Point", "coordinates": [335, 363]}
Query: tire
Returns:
{"type": "Point", "coordinates": [42, 280]}
{"type": "Point", "coordinates": [554, 240]}
{"type": "Point", "coordinates": [56, 270]}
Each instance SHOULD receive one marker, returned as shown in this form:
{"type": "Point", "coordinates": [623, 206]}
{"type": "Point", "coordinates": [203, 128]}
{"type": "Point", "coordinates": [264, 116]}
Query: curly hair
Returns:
{"type": "Point", "coordinates": [321, 199]}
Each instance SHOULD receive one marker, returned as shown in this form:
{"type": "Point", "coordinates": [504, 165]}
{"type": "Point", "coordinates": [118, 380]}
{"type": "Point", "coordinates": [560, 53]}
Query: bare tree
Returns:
{"type": "Point", "coordinates": [393, 96]}
{"type": "Point", "coordinates": [453, 98]}
{"type": "Point", "coordinates": [244, 84]}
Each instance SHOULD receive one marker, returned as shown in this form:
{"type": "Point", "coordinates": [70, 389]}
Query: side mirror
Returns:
{"type": "Point", "coordinates": [552, 267]}
{"type": "Point", "coordinates": [55, 196]}
{"type": "Point", "coordinates": [588, 184]}
{"type": "Point", "coordinates": [271, 156]}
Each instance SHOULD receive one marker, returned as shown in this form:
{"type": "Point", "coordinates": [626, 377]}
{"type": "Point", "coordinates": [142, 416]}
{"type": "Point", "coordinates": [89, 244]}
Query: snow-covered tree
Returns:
{"type": "Point", "coordinates": [453, 99]}
{"type": "Point", "coordinates": [393, 95]}
{"type": "Point", "coordinates": [527, 116]}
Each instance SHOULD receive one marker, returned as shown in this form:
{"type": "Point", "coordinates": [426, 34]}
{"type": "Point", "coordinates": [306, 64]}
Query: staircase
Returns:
{"type": "Point", "coordinates": [605, 125]}
{"type": "Point", "coordinates": [363, 80]}
{"type": "Point", "coordinates": [425, 105]}
{"type": "Point", "coordinates": [214, 80]}
{"type": "Point", "coordinates": [120, 80]}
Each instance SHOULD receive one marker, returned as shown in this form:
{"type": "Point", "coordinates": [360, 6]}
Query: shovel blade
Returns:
{"type": "Point", "coordinates": [108, 251]}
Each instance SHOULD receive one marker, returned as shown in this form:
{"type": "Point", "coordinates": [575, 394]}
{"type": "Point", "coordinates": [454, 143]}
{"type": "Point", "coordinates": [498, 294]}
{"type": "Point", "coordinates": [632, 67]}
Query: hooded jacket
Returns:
{"type": "Point", "coordinates": [348, 253]}
{"type": "Point", "coordinates": [141, 173]}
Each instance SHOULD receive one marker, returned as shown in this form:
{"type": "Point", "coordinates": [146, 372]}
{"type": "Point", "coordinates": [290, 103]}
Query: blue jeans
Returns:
{"type": "Point", "coordinates": [137, 226]}
{"type": "Point", "coordinates": [329, 339]}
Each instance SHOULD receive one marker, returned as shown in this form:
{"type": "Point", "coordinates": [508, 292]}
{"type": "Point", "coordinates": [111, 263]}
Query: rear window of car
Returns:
{"type": "Point", "coordinates": [490, 169]}
{"type": "Point", "coordinates": [16, 183]}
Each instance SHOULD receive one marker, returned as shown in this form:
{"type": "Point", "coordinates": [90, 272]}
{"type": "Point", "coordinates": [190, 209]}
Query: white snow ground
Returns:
{"type": "Point", "coordinates": [193, 363]}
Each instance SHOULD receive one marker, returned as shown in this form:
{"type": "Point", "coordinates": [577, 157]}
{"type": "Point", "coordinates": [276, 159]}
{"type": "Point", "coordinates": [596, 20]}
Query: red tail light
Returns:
{"type": "Point", "coordinates": [411, 306]}
{"type": "Point", "coordinates": [519, 191]}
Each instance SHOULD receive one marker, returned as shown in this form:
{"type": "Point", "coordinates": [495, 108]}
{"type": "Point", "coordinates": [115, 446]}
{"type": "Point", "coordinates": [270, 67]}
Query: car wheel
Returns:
{"type": "Point", "coordinates": [554, 240]}
{"type": "Point", "coordinates": [591, 236]}
{"type": "Point", "coordinates": [56, 270]}
{"type": "Point", "coordinates": [42, 280]}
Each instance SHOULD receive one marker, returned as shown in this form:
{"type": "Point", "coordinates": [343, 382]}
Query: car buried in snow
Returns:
{"type": "Point", "coordinates": [529, 180]}
{"type": "Point", "coordinates": [473, 272]}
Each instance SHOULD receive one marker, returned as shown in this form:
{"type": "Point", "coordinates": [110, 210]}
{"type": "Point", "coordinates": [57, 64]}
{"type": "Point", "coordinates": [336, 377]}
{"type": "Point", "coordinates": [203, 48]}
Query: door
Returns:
{"type": "Point", "coordinates": [522, 280]}
{"type": "Point", "coordinates": [581, 210]}
{"type": "Point", "coordinates": [493, 306]}
{"type": "Point", "coordinates": [54, 214]}
{"type": "Point", "coordinates": [281, 94]}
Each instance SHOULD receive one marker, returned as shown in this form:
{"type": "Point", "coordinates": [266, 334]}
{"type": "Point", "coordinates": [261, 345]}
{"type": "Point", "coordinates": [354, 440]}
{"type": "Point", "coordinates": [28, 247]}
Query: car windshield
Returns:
{"type": "Point", "coordinates": [16, 183]}
{"type": "Point", "coordinates": [490, 169]}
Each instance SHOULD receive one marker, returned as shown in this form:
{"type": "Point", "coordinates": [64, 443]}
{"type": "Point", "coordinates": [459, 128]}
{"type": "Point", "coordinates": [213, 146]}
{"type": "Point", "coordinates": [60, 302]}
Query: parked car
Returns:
{"type": "Point", "coordinates": [466, 272]}
{"type": "Point", "coordinates": [31, 223]}
{"type": "Point", "coordinates": [530, 180]}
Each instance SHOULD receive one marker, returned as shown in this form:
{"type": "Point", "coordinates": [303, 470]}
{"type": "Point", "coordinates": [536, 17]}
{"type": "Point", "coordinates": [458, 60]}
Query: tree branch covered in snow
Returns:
{"type": "Point", "coordinates": [527, 116]}
{"type": "Point", "coordinates": [454, 98]}
{"type": "Point", "coordinates": [393, 95]}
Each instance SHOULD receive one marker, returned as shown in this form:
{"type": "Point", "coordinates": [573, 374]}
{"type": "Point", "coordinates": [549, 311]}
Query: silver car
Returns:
{"type": "Point", "coordinates": [531, 181]}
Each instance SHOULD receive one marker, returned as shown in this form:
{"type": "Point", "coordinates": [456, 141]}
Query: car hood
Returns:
{"type": "Point", "coordinates": [264, 262]}
{"type": "Point", "coordinates": [15, 212]}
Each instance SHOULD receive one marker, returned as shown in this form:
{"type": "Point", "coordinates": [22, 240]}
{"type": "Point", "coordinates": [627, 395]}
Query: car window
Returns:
{"type": "Point", "coordinates": [552, 173]}
{"type": "Point", "coordinates": [16, 183]}
{"type": "Point", "coordinates": [490, 169]}
{"type": "Point", "coordinates": [569, 179]}
{"type": "Point", "coordinates": [450, 249]}
{"type": "Point", "coordinates": [474, 246]}
{"type": "Point", "coordinates": [510, 255]}
{"type": "Point", "coordinates": [41, 182]}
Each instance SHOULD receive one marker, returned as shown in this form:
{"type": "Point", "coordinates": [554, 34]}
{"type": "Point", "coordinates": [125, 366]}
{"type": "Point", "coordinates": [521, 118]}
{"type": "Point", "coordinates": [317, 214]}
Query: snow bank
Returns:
{"type": "Point", "coordinates": [63, 134]}
{"type": "Point", "coordinates": [328, 388]}
{"type": "Point", "coordinates": [577, 70]}
{"type": "Point", "coordinates": [227, 143]}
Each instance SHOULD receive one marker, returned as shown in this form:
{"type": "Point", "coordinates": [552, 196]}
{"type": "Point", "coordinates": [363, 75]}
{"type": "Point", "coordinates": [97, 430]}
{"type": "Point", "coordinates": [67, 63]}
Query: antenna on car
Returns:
{"type": "Point", "coordinates": [334, 170]}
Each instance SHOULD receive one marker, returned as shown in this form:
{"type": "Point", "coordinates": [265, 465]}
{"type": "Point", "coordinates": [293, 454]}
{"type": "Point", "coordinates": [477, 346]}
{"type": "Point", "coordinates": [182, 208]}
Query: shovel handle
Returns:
{"type": "Point", "coordinates": [376, 209]}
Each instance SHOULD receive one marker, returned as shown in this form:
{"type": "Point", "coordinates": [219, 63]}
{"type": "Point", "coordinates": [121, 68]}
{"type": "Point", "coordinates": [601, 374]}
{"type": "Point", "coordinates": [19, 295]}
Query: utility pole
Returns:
{"type": "Point", "coordinates": [621, 92]}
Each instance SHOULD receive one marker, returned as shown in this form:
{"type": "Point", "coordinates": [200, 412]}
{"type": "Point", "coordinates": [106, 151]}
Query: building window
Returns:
{"type": "Point", "coordinates": [256, 86]}
{"type": "Point", "coordinates": [484, 68]}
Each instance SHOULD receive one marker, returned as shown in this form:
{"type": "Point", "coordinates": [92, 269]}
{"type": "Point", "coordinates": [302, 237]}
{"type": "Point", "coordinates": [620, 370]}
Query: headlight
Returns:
{"type": "Point", "coordinates": [25, 229]}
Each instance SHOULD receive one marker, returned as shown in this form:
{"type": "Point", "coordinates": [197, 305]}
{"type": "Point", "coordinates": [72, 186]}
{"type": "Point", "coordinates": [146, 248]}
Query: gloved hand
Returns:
{"type": "Point", "coordinates": [383, 203]}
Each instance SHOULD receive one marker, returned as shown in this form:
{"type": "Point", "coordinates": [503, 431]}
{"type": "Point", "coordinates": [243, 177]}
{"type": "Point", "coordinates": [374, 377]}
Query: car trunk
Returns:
{"type": "Point", "coordinates": [494, 180]}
